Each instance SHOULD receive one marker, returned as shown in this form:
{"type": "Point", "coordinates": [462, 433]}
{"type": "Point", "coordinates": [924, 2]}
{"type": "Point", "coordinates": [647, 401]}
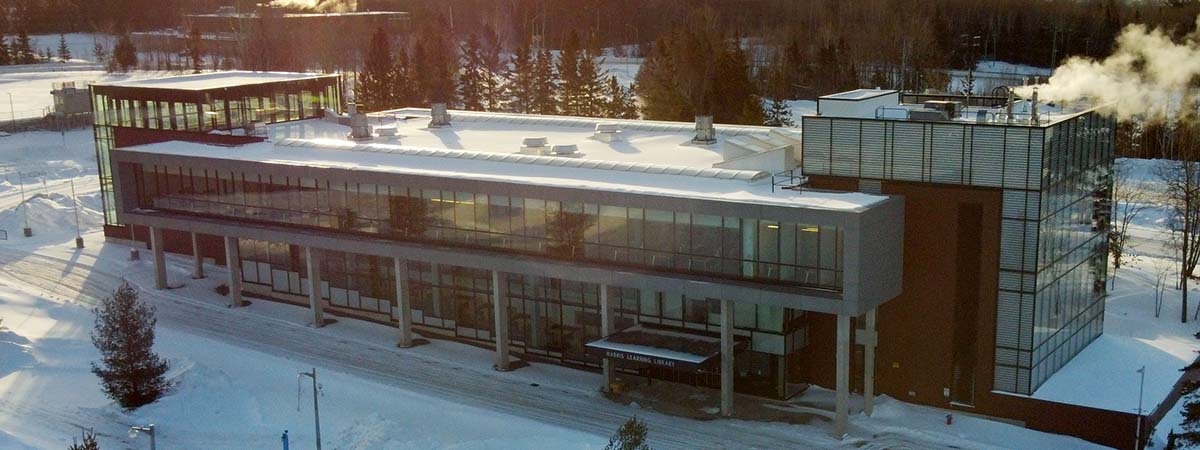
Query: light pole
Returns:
{"type": "Point", "coordinates": [13, 111]}
{"type": "Point", "coordinates": [148, 429]}
{"type": "Point", "coordinates": [75, 206]}
{"type": "Point", "coordinates": [1137, 440]}
{"type": "Point", "coordinates": [316, 406]}
{"type": "Point", "coordinates": [24, 206]}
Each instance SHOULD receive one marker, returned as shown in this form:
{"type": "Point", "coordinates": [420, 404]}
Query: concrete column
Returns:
{"type": "Point", "coordinates": [313, 262]}
{"type": "Point", "coordinates": [869, 340]}
{"type": "Point", "coordinates": [606, 328]}
{"type": "Point", "coordinates": [160, 260]}
{"type": "Point", "coordinates": [842, 411]}
{"type": "Point", "coordinates": [500, 302]}
{"type": "Point", "coordinates": [233, 261]}
{"type": "Point", "coordinates": [197, 259]}
{"type": "Point", "coordinates": [403, 305]}
{"type": "Point", "coordinates": [726, 357]}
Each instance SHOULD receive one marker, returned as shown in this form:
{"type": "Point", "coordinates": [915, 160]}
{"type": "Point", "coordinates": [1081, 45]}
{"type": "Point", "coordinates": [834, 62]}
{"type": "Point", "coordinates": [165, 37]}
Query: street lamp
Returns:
{"type": "Point", "coordinates": [316, 406]}
{"type": "Point", "coordinates": [148, 429]}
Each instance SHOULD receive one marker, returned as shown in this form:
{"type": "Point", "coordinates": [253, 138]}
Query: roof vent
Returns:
{"type": "Point", "coordinates": [359, 129]}
{"type": "Point", "coordinates": [564, 149]}
{"type": "Point", "coordinates": [438, 117]}
{"type": "Point", "coordinates": [705, 132]}
{"type": "Point", "coordinates": [535, 146]}
{"type": "Point", "coordinates": [607, 132]}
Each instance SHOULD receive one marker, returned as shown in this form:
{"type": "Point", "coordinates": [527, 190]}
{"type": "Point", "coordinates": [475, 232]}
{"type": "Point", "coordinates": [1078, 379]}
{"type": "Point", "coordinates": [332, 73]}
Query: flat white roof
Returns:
{"type": "Point", "coordinates": [215, 80]}
{"type": "Point", "coordinates": [453, 152]}
{"type": "Point", "coordinates": [859, 94]}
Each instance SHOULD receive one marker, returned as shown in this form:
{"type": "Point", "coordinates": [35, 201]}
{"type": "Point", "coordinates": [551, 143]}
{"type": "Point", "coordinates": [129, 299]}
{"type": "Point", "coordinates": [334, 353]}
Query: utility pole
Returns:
{"type": "Point", "coordinates": [316, 406]}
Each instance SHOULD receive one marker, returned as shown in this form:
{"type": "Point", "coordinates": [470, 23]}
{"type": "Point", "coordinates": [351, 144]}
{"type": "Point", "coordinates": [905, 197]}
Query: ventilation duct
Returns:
{"type": "Point", "coordinates": [438, 117]}
{"type": "Point", "coordinates": [705, 132]}
{"type": "Point", "coordinates": [607, 132]}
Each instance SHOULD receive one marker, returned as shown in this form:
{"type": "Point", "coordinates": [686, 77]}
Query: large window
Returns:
{"type": "Point", "coordinates": [775, 251]}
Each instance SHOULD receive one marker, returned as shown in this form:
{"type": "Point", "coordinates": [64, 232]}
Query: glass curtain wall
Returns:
{"type": "Point", "coordinates": [774, 251]}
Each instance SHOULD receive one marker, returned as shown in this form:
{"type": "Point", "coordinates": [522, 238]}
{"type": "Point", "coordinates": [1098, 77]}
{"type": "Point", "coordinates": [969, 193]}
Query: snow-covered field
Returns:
{"type": "Point", "coordinates": [237, 369]}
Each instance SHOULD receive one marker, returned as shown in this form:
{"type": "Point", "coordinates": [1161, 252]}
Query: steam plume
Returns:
{"type": "Point", "coordinates": [1149, 75]}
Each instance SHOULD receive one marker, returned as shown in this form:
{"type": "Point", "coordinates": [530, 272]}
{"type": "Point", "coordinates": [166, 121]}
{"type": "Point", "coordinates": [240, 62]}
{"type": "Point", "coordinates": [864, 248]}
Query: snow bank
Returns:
{"type": "Point", "coordinates": [50, 214]}
{"type": "Point", "coordinates": [14, 354]}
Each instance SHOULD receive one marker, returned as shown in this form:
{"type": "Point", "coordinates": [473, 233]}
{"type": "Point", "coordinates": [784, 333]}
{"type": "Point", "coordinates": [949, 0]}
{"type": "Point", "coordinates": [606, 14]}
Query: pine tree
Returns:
{"type": "Point", "coordinates": [472, 78]}
{"type": "Point", "coordinates": [405, 89]}
{"type": "Point", "coordinates": [89, 443]}
{"type": "Point", "coordinates": [64, 52]}
{"type": "Point", "coordinates": [24, 49]}
{"type": "Point", "coordinates": [545, 85]}
{"type": "Point", "coordinates": [569, 90]}
{"type": "Point", "coordinates": [5, 53]}
{"type": "Point", "coordinates": [521, 80]}
{"type": "Point", "coordinates": [99, 51]}
{"type": "Point", "coordinates": [124, 55]}
{"type": "Point", "coordinates": [582, 90]}
{"type": "Point", "coordinates": [662, 98]}
{"type": "Point", "coordinates": [1190, 435]}
{"type": "Point", "coordinates": [129, 370]}
{"type": "Point", "coordinates": [373, 87]}
{"type": "Point", "coordinates": [630, 436]}
{"type": "Point", "coordinates": [438, 63]}
{"type": "Point", "coordinates": [195, 49]}
{"type": "Point", "coordinates": [621, 104]}
{"type": "Point", "coordinates": [779, 115]}
{"type": "Point", "coordinates": [592, 83]}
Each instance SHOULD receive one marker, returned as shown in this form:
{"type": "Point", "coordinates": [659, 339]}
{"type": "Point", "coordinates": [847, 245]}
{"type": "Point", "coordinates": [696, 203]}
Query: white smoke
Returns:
{"type": "Point", "coordinates": [1148, 75]}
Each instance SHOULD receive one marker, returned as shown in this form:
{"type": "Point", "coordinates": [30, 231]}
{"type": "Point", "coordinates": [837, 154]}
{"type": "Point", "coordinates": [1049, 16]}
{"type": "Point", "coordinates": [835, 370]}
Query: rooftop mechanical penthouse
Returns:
{"type": "Point", "coordinates": [887, 248]}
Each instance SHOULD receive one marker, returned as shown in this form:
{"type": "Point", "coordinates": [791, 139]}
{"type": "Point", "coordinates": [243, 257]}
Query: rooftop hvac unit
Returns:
{"type": "Point", "coordinates": [607, 132]}
{"type": "Point", "coordinates": [948, 108]}
{"type": "Point", "coordinates": [564, 149]}
{"type": "Point", "coordinates": [534, 146]}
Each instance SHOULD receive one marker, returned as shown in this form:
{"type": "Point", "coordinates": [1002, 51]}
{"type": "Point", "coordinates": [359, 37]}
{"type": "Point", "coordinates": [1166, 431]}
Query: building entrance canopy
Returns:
{"type": "Point", "coordinates": [661, 346]}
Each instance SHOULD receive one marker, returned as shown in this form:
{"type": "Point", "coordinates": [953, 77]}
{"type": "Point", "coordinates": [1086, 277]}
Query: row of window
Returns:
{"type": "Point", "coordinates": [547, 315]}
{"type": "Point", "coordinates": [728, 246]}
{"type": "Point", "coordinates": [217, 114]}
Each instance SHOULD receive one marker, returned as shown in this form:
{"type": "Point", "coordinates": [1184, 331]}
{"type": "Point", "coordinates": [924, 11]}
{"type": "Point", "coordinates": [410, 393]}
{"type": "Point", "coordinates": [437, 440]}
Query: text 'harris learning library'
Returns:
{"type": "Point", "coordinates": [942, 253]}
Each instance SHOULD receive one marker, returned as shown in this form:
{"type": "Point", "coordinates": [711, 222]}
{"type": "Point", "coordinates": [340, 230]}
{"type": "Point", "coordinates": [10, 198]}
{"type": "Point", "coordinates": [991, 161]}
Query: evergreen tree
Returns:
{"type": "Point", "coordinates": [630, 436]}
{"type": "Point", "coordinates": [779, 115]}
{"type": "Point", "coordinates": [438, 64]}
{"type": "Point", "coordinates": [24, 49]}
{"type": "Point", "coordinates": [194, 49]}
{"type": "Point", "coordinates": [592, 79]}
{"type": "Point", "coordinates": [569, 89]}
{"type": "Point", "coordinates": [474, 75]}
{"type": "Point", "coordinates": [5, 53]}
{"type": "Point", "coordinates": [621, 104]}
{"type": "Point", "coordinates": [1190, 435]}
{"type": "Point", "coordinates": [89, 443]}
{"type": "Point", "coordinates": [64, 52]}
{"type": "Point", "coordinates": [129, 370]}
{"type": "Point", "coordinates": [99, 51]}
{"type": "Point", "coordinates": [373, 87]}
{"type": "Point", "coordinates": [545, 85]}
{"type": "Point", "coordinates": [661, 96]}
{"type": "Point", "coordinates": [404, 90]}
{"type": "Point", "coordinates": [124, 55]}
{"type": "Point", "coordinates": [522, 77]}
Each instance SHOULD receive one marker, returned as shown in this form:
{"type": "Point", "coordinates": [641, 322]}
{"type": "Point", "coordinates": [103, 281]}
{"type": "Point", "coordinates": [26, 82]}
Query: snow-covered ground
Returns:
{"type": "Point", "coordinates": [237, 369]}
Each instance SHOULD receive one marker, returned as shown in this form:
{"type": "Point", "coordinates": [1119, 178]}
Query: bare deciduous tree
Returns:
{"type": "Point", "coordinates": [1128, 201]}
{"type": "Point", "coordinates": [1179, 140]}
